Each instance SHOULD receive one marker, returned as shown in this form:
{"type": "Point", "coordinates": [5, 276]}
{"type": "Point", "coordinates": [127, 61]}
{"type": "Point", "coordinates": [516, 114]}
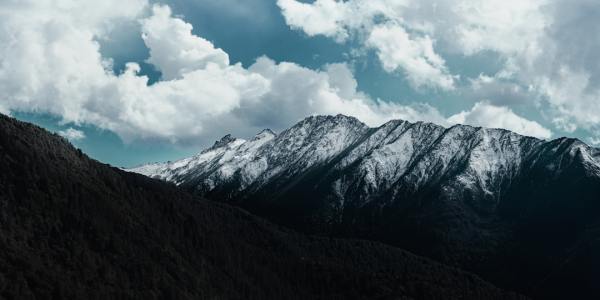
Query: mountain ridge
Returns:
{"type": "Point", "coordinates": [365, 133]}
{"type": "Point", "coordinates": [474, 195]}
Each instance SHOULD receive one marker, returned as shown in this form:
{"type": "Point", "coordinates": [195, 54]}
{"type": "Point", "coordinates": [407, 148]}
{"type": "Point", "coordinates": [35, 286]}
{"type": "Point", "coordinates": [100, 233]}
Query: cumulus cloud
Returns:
{"type": "Point", "coordinates": [466, 27]}
{"type": "Point", "coordinates": [486, 115]}
{"type": "Point", "coordinates": [319, 18]}
{"type": "Point", "coordinates": [504, 26]}
{"type": "Point", "coordinates": [174, 50]}
{"type": "Point", "coordinates": [548, 47]}
{"type": "Point", "coordinates": [397, 49]}
{"type": "Point", "coordinates": [404, 33]}
{"type": "Point", "coordinates": [297, 92]}
{"type": "Point", "coordinates": [558, 62]}
{"type": "Point", "coordinates": [51, 62]}
{"type": "Point", "coordinates": [497, 90]}
{"type": "Point", "coordinates": [72, 134]}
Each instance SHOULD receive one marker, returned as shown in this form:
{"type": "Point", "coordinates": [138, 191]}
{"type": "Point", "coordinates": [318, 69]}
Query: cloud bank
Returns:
{"type": "Point", "coordinates": [548, 47]}
{"type": "Point", "coordinates": [50, 62]}
{"type": "Point", "coordinates": [380, 26]}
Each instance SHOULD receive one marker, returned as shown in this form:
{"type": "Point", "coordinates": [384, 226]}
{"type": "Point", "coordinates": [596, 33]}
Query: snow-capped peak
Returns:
{"type": "Point", "coordinates": [264, 134]}
{"type": "Point", "coordinates": [224, 141]}
{"type": "Point", "coordinates": [398, 154]}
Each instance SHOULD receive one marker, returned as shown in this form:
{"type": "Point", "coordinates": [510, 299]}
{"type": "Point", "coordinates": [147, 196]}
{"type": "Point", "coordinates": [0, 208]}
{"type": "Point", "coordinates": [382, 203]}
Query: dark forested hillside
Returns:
{"type": "Point", "coordinates": [71, 227]}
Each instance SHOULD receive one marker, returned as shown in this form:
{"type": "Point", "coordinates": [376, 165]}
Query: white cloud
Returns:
{"type": "Point", "coordinates": [469, 27]}
{"type": "Point", "coordinates": [49, 60]}
{"type": "Point", "coordinates": [52, 63]}
{"type": "Point", "coordinates": [297, 92]}
{"type": "Point", "coordinates": [397, 49]}
{"type": "Point", "coordinates": [404, 33]}
{"type": "Point", "coordinates": [504, 26]}
{"type": "Point", "coordinates": [72, 134]}
{"type": "Point", "coordinates": [486, 115]}
{"type": "Point", "coordinates": [548, 47]}
{"type": "Point", "coordinates": [497, 90]}
{"type": "Point", "coordinates": [323, 17]}
{"type": "Point", "coordinates": [174, 50]}
{"type": "Point", "coordinates": [555, 55]}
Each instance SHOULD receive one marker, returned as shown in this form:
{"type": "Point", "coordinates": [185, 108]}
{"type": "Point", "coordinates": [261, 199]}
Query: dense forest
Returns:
{"type": "Point", "coordinates": [74, 228]}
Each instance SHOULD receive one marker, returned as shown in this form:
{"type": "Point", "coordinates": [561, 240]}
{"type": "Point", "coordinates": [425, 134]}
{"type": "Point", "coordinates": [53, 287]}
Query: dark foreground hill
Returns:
{"type": "Point", "coordinates": [73, 228]}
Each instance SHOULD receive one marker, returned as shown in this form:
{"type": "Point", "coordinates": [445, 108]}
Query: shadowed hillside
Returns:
{"type": "Point", "coordinates": [71, 227]}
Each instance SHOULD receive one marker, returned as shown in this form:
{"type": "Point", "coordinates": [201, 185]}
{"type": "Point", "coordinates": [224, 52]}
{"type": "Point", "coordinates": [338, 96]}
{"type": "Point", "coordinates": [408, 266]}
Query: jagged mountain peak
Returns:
{"type": "Point", "coordinates": [328, 121]}
{"type": "Point", "coordinates": [265, 133]}
{"type": "Point", "coordinates": [330, 118]}
{"type": "Point", "coordinates": [224, 141]}
{"type": "Point", "coordinates": [455, 186]}
{"type": "Point", "coordinates": [397, 153]}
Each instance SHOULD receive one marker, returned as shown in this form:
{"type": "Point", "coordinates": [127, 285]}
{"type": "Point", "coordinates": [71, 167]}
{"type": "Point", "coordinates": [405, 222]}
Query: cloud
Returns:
{"type": "Point", "coordinates": [486, 115]}
{"type": "Point", "coordinates": [557, 60]}
{"type": "Point", "coordinates": [397, 48]}
{"type": "Point", "coordinates": [297, 92]}
{"type": "Point", "coordinates": [174, 50]}
{"type": "Point", "coordinates": [72, 134]}
{"type": "Point", "coordinates": [497, 90]}
{"type": "Point", "coordinates": [49, 58]}
{"type": "Point", "coordinates": [502, 26]}
{"type": "Point", "coordinates": [319, 18]}
{"type": "Point", "coordinates": [548, 47]}
{"type": "Point", "coordinates": [404, 33]}
{"type": "Point", "coordinates": [51, 63]}
{"type": "Point", "coordinates": [467, 27]}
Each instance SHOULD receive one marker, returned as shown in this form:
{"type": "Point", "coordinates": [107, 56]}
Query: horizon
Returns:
{"type": "Point", "coordinates": [125, 94]}
{"type": "Point", "coordinates": [277, 133]}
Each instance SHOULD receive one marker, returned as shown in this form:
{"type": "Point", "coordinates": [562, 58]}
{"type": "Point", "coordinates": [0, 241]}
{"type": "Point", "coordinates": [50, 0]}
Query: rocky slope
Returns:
{"type": "Point", "coordinates": [515, 209]}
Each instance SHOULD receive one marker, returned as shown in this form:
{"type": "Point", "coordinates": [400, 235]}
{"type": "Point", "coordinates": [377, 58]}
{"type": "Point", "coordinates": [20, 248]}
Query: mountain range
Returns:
{"type": "Point", "coordinates": [521, 212]}
{"type": "Point", "coordinates": [74, 228]}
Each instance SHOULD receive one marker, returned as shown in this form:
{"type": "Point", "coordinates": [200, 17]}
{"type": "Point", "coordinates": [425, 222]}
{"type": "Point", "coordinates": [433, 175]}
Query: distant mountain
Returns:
{"type": "Point", "coordinates": [522, 212]}
{"type": "Point", "coordinates": [73, 228]}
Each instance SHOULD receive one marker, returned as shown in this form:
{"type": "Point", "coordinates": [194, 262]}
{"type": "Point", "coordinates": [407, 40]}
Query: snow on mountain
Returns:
{"type": "Point", "coordinates": [467, 196]}
{"type": "Point", "coordinates": [225, 157]}
{"type": "Point", "coordinates": [398, 155]}
{"type": "Point", "coordinates": [312, 141]}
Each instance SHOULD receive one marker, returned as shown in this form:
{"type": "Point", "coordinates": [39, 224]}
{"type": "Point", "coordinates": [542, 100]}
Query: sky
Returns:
{"type": "Point", "coordinates": [160, 80]}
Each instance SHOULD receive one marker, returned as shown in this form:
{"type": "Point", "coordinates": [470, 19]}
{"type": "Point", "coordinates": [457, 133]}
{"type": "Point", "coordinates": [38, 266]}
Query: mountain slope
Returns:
{"type": "Point", "coordinates": [73, 228]}
{"type": "Point", "coordinates": [511, 208]}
